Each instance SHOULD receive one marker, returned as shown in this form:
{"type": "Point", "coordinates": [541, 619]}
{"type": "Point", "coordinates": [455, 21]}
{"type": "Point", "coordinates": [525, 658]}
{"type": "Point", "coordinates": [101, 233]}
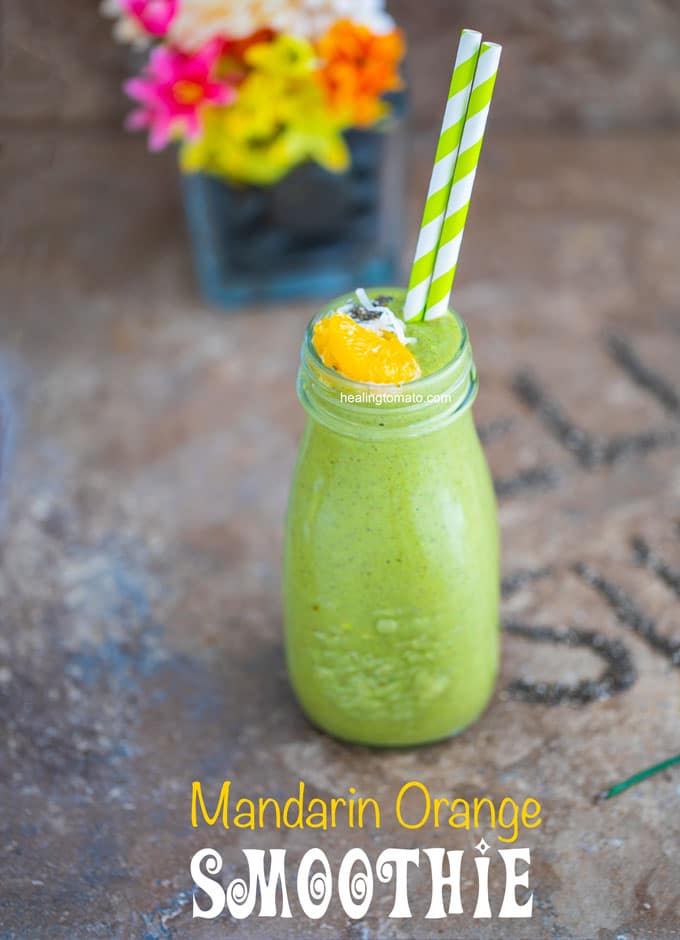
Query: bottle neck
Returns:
{"type": "Point", "coordinates": [379, 412]}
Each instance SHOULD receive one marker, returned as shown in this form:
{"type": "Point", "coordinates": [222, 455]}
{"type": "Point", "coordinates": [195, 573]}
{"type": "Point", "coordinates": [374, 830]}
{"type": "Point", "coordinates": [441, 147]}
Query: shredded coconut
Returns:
{"type": "Point", "coordinates": [386, 319]}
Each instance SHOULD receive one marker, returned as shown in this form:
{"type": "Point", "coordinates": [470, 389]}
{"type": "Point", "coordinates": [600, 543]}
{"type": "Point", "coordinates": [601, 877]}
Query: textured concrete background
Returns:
{"type": "Point", "coordinates": [147, 444]}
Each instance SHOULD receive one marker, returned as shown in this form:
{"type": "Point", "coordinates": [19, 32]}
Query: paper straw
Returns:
{"type": "Point", "coordinates": [451, 238]}
{"type": "Point", "coordinates": [442, 173]}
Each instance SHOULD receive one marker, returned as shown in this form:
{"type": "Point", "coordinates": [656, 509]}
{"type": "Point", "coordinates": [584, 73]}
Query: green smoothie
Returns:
{"type": "Point", "coordinates": [391, 573]}
{"type": "Point", "coordinates": [436, 342]}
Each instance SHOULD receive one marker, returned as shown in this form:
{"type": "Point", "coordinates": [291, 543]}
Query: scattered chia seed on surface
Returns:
{"type": "Point", "coordinates": [618, 675]}
{"type": "Point", "coordinates": [646, 558]}
{"type": "Point", "coordinates": [590, 450]}
{"type": "Point", "coordinates": [518, 579]}
{"type": "Point", "coordinates": [495, 429]}
{"type": "Point", "coordinates": [625, 356]}
{"type": "Point", "coordinates": [535, 478]}
{"type": "Point", "coordinates": [629, 614]}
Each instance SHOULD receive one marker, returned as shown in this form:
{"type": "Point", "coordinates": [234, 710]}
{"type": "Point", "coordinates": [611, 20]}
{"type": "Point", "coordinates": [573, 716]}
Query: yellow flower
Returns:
{"type": "Point", "coordinates": [286, 56]}
{"type": "Point", "coordinates": [280, 119]}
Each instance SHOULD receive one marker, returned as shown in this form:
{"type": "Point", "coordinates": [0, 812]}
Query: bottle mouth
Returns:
{"type": "Point", "coordinates": [376, 411]}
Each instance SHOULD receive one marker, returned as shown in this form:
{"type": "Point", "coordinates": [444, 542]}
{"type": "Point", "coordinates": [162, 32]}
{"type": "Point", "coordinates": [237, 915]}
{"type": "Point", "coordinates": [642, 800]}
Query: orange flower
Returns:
{"type": "Point", "coordinates": [357, 68]}
{"type": "Point", "coordinates": [239, 47]}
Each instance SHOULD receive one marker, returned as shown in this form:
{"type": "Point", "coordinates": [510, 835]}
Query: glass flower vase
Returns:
{"type": "Point", "coordinates": [315, 233]}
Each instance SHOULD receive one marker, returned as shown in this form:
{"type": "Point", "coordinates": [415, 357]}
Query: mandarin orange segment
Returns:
{"type": "Point", "coordinates": [362, 354]}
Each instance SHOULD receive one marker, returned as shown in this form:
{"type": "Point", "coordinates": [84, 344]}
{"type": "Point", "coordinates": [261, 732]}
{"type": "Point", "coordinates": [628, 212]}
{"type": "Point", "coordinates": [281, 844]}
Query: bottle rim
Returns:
{"type": "Point", "coordinates": [376, 411]}
{"type": "Point", "coordinates": [308, 346]}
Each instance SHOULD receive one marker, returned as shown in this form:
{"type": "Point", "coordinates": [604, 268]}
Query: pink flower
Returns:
{"type": "Point", "coordinates": [155, 16]}
{"type": "Point", "coordinates": [173, 89]}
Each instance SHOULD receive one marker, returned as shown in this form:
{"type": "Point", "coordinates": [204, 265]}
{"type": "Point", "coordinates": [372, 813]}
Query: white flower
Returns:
{"type": "Point", "coordinates": [198, 21]}
{"type": "Point", "coordinates": [126, 28]}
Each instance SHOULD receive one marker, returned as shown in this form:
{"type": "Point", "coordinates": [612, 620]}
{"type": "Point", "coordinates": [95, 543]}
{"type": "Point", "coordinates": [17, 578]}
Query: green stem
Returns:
{"type": "Point", "coordinates": [639, 777]}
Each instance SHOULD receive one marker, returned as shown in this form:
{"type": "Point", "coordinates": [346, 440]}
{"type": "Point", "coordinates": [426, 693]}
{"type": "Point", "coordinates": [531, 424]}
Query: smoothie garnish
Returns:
{"type": "Point", "coordinates": [366, 341]}
{"type": "Point", "coordinates": [361, 352]}
{"type": "Point", "coordinates": [453, 176]}
{"type": "Point", "coordinates": [375, 316]}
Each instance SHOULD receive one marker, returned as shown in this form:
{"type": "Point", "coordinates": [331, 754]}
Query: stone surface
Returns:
{"type": "Point", "coordinates": [593, 65]}
{"type": "Point", "coordinates": [59, 63]}
{"type": "Point", "coordinates": [147, 448]}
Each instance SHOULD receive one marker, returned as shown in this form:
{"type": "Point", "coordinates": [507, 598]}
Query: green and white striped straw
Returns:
{"type": "Point", "coordinates": [463, 180]}
{"type": "Point", "coordinates": [442, 174]}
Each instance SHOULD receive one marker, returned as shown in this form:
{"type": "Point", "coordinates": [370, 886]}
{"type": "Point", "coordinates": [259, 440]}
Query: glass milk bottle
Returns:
{"type": "Point", "coordinates": [391, 568]}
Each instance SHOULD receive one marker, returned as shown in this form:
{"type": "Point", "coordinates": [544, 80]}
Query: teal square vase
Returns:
{"type": "Point", "coordinates": [314, 234]}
